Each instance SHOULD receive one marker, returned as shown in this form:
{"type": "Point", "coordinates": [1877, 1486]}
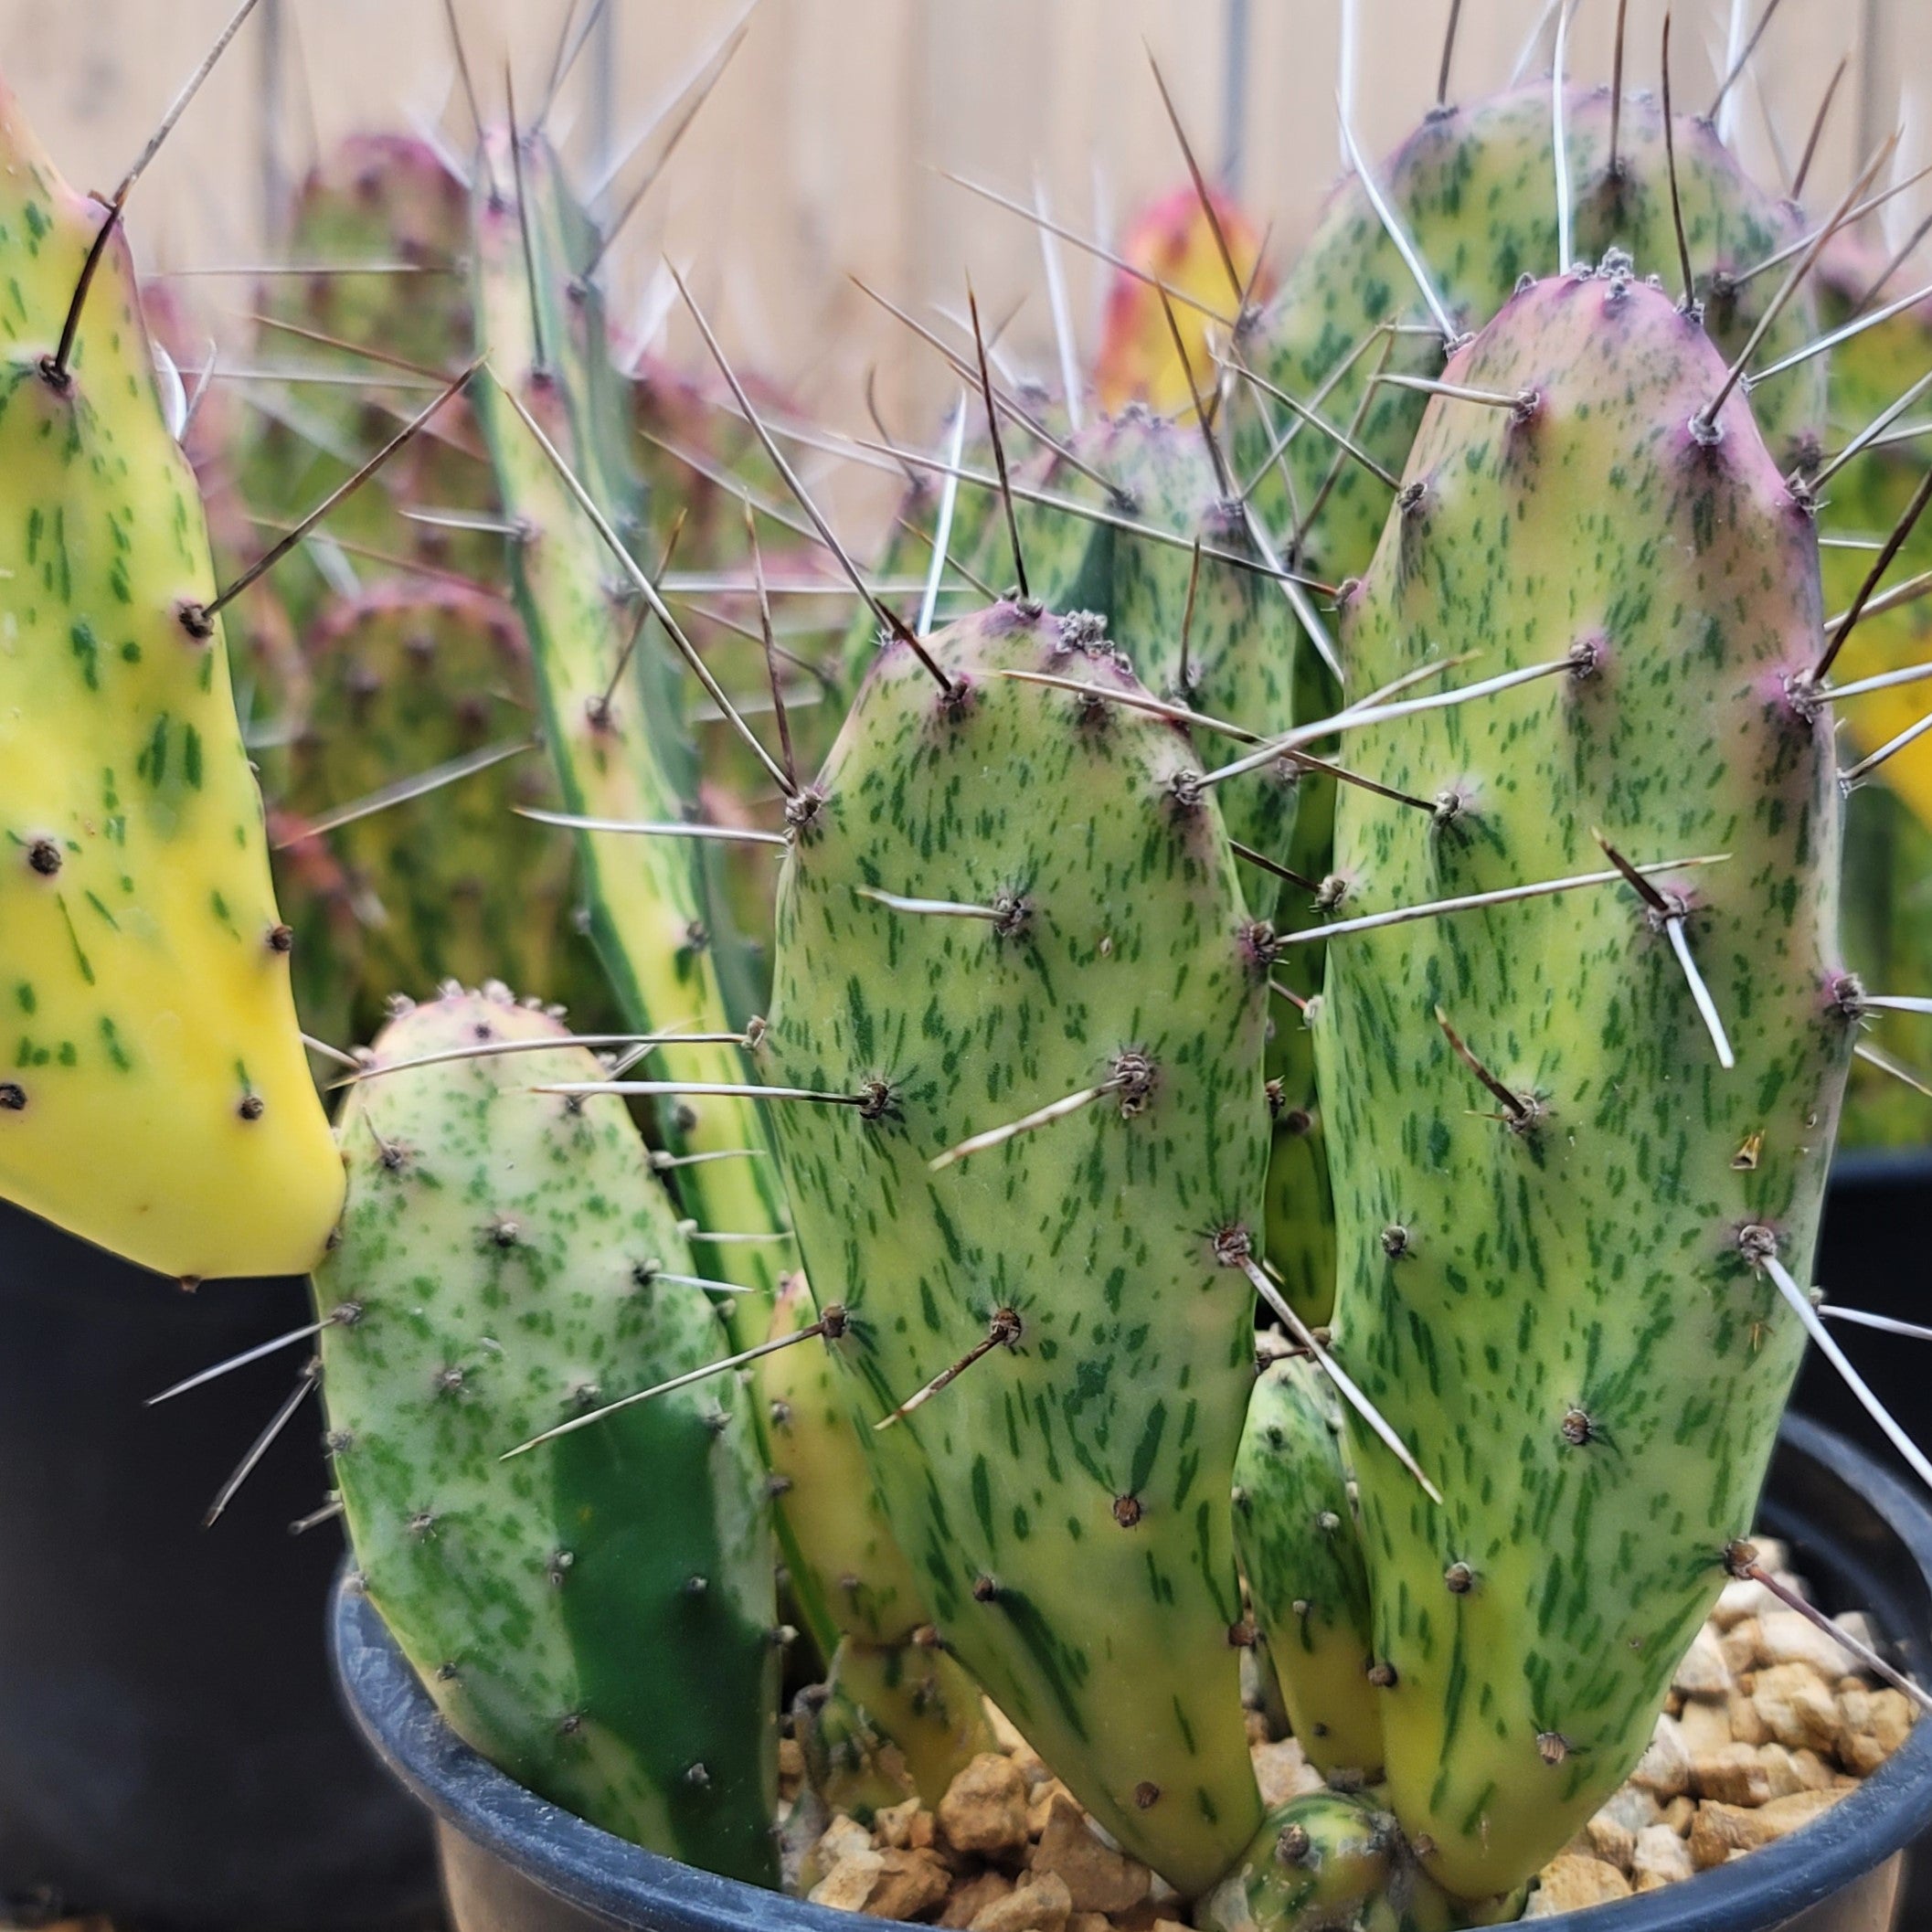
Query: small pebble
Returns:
{"type": "Point", "coordinates": [1797, 1706]}
{"type": "Point", "coordinates": [1875, 1724]}
{"type": "Point", "coordinates": [1632, 1806]}
{"type": "Point", "coordinates": [1740, 1643]}
{"type": "Point", "coordinates": [1703, 1674]}
{"type": "Point", "coordinates": [848, 1885]}
{"type": "Point", "coordinates": [1730, 1775]}
{"type": "Point", "coordinates": [1707, 1728]}
{"type": "Point", "coordinates": [1039, 1903]}
{"type": "Point", "coordinates": [1661, 1858]}
{"type": "Point", "coordinates": [1719, 1829]}
{"type": "Point", "coordinates": [1664, 1770]}
{"type": "Point", "coordinates": [1283, 1771]}
{"type": "Point", "coordinates": [1097, 1878]}
{"type": "Point", "coordinates": [909, 1884]}
{"type": "Point", "coordinates": [892, 1827]}
{"type": "Point", "coordinates": [1039, 1805]}
{"type": "Point", "coordinates": [844, 1838]}
{"type": "Point", "coordinates": [1610, 1839]}
{"type": "Point", "coordinates": [1857, 1626]}
{"type": "Point", "coordinates": [1746, 1721]}
{"type": "Point", "coordinates": [984, 1808]}
{"type": "Point", "coordinates": [1739, 1599]}
{"type": "Point", "coordinates": [1791, 1637]}
{"type": "Point", "coordinates": [1569, 1883]}
{"type": "Point", "coordinates": [971, 1895]}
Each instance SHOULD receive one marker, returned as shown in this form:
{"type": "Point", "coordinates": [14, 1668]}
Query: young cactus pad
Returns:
{"type": "Point", "coordinates": [1064, 1497]}
{"type": "Point", "coordinates": [596, 1616]}
{"type": "Point", "coordinates": [1300, 1550]}
{"type": "Point", "coordinates": [147, 966]}
{"type": "Point", "coordinates": [1324, 1861]}
{"type": "Point", "coordinates": [1557, 1272]}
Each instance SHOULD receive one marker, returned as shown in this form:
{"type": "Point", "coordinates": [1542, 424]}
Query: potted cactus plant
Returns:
{"type": "Point", "coordinates": [1380, 864]}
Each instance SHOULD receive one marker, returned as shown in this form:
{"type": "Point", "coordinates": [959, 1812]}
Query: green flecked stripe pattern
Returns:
{"type": "Point", "coordinates": [1555, 1295]}
{"type": "Point", "coordinates": [1085, 1455]}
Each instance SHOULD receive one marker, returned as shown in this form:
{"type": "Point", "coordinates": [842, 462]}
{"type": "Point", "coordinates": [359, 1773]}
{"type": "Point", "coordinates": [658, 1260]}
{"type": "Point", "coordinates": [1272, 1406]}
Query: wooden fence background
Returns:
{"type": "Point", "coordinates": [816, 156]}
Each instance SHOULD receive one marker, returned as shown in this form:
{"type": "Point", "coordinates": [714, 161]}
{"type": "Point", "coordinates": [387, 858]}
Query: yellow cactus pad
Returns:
{"type": "Point", "coordinates": [154, 1095]}
{"type": "Point", "coordinates": [1175, 241]}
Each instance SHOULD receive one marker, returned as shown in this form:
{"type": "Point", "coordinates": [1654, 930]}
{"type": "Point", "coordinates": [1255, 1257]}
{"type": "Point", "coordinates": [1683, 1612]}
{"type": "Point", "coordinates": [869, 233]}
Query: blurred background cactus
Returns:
{"type": "Point", "coordinates": [815, 157]}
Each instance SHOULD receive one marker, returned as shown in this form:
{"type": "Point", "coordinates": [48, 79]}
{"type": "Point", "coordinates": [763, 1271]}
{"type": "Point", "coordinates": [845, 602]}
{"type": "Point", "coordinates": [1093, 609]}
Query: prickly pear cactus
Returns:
{"type": "Point", "coordinates": [1475, 190]}
{"type": "Point", "coordinates": [596, 1616]}
{"type": "Point", "coordinates": [1221, 639]}
{"type": "Point", "coordinates": [1300, 1550]}
{"type": "Point", "coordinates": [899, 1717]}
{"type": "Point", "coordinates": [1324, 1861]}
{"type": "Point", "coordinates": [147, 965]}
{"type": "Point", "coordinates": [1553, 1273]}
{"type": "Point", "coordinates": [1083, 1276]}
{"type": "Point", "coordinates": [407, 679]}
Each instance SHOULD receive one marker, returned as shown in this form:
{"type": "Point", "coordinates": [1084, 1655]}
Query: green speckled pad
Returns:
{"type": "Point", "coordinates": [596, 1616]}
{"type": "Point", "coordinates": [1550, 1298]}
{"type": "Point", "coordinates": [1086, 1463]}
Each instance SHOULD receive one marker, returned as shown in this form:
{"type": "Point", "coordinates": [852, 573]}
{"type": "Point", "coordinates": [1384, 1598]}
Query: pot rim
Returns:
{"type": "Point", "coordinates": [597, 1872]}
{"type": "Point", "coordinates": [1861, 1167]}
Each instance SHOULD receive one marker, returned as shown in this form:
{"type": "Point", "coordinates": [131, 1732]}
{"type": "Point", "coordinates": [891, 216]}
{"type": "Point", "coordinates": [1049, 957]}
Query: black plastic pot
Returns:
{"type": "Point", "coordinates": [514, 1863]}
{"type": "Point", "coordinates": [171, 1751]}
{"type": "Point", "coordinates": [1873, 1256]}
